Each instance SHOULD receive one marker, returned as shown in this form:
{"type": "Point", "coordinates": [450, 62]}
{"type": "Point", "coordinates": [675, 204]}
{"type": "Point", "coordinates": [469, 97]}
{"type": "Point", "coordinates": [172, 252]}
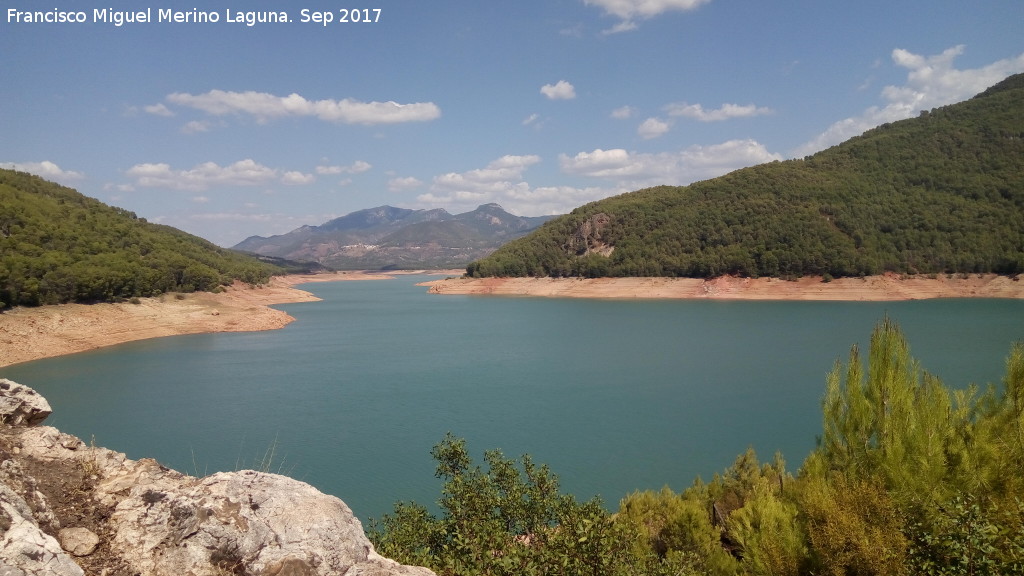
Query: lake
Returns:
{"type": "Point", "coordinates": [614, 395]}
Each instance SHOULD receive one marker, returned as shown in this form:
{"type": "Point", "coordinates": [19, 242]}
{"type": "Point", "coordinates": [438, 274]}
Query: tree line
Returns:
{"type": "Point", "coordinates": [909, 477]}
{"type": "Point", "coordinates": [941, 193]}
{"type": "Point", "coordinates": [57, 246]}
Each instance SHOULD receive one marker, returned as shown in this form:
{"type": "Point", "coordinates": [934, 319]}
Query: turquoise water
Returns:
{"type": "Point", "coordinates": [614, 395]}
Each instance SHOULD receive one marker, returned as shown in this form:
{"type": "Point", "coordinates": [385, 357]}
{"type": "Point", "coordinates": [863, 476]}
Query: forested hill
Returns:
{"type": "Point", "coordinates": [57, 246]}
{"type": "Point", "coordinates": [940, 193]}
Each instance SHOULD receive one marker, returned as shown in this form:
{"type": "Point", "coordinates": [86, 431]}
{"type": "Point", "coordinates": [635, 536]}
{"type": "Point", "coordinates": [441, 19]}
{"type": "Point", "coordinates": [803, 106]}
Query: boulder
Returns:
{"type": "Point", "coordinates": [154, 521]}
{"type": "Point", "coordinates": [21, 405]}
{"type": "Point", "coordinates": [246, 521]}
{"type": "Point", "coordinates": [78, 541]}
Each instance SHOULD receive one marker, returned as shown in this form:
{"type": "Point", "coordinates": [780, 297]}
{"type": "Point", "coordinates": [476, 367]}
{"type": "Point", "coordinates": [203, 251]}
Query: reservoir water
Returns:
{"type": "Point", "coordinates": [614, 395]}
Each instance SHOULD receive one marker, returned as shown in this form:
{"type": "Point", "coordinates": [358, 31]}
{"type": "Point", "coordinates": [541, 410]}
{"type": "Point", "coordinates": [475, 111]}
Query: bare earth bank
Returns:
{"type": "Point", "coordinates": [34, 333]}
{"type": "Point", "coordinates": [878, 288]}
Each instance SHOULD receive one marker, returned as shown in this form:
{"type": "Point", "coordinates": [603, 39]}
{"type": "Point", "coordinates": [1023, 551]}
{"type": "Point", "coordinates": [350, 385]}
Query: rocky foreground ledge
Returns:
{"type": "Point", "coordinates": [67, 508]}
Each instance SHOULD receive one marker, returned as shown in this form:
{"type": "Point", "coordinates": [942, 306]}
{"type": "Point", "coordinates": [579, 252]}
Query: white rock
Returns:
{"type": "Point", "coordinates": [24, 547]}
{"type": "Point", "coordinates": [21, 405]}
{"type": "Point", "coordinates": [264, 523]}
{"type": "Point", "coordinates": [78, 541]}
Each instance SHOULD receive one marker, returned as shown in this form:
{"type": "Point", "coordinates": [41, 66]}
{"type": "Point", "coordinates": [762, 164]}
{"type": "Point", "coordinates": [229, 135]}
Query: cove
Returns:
{"type": "Point", "coordinates": [614, 395]}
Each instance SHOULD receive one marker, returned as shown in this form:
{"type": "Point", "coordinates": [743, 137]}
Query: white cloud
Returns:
{"type": "Point", "coordinates": [623, 113]}
{"type": "Point", "coordinates": [242, 173]}
{"type": "Point", "coordinates": [158, 110]}
{"type": "Point", "coordinates": [46, 169]}
{"type": "Point", "coordinates": [500, 178]}
{"type": "Point", "coordinates": [726, 112]}
{"type": "Point", "coordinates": [527, 201]}
{"type": "Point", "coordinates": [531, 119]}
{"type": "Point", "coordinates": [628, 11]}
{"type": "Point", "coordinates": [502, 181]}
{"type": "Point", "coordinates": [932, 81]}
{"type": "Point", "coordinates": [196, 126]}
{"type": "Point", "coordinates": [632, 170]}
{"type": "Point", "coordinates": [560, 91]}
{"type": "Point", "coordinates": [232, 216]}
{"type": "Point", "coordinates": [200, 199]}
{"type": "Point", "coordinates": [296, 178]}
{"type": "Point", "coordinates": [265, 106]}
{"type": "Point", "coordinates": [404, 184]}
{"type": "Point", "coordinates": [652, 128]}
{"type": "Point", "coordinates": [357, 167]}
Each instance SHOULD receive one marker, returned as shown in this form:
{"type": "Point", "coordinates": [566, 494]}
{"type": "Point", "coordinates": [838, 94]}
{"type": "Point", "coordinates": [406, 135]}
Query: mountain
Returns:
{"type": "Point", "coordinates": [395, 238]}
{"type": "Point", "coordinates": [939, 193]}
{"type": "Point", "coordinates": [57, 246]}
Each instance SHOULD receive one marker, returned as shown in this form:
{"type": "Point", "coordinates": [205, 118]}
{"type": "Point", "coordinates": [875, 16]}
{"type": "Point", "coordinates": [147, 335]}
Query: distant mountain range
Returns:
{"type": "Point", "coordinates": [386, 237]}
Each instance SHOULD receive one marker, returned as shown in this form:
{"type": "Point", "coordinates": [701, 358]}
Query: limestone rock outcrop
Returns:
{"type": "Point", "coordinates": [21, 405]}
{"type": "Point", "coordinates": [146, 519]}
{"type": "Point", "coordinates": [24, 548]}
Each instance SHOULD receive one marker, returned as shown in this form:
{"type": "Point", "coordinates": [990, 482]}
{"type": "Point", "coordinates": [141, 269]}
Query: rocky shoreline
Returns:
{"type": "Point", "coordinates": [70, 509]}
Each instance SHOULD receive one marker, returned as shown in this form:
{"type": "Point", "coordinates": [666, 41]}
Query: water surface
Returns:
{"type": "Point", "coordinates": [614, 395]}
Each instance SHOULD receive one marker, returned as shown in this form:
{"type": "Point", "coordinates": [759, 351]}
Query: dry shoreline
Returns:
{"type": "Point", "coordinates": [872, 288]}
{"type": "Point", "coordinates": [34, 333]}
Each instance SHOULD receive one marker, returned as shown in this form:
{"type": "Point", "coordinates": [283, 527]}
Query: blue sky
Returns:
{"type": "Point", "coordinates": [227, 130]}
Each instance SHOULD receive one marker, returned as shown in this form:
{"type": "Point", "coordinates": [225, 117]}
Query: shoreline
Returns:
{"type": "Point", "coordinates": [887, 287]}
{"type": "Point", "coordinates": [28, 334]}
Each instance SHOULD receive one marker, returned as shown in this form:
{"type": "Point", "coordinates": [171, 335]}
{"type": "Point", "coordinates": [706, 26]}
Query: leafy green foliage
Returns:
{"type": "Point", "coordinates": [941, 193]}
{"type": "Point", "coordinates": [509, 518]}
{"type": "Point", "coordinates": [853, 527]}
{"type": "Point", "coordinates": [58, 246]}
{"type": "Point", "coordinates": [909, 477]}
{"type": "Point", "coordinates": [948, 463]}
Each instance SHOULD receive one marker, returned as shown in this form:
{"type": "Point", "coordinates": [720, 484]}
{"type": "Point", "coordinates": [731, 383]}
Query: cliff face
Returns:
{"type": "Point", "coordinates": [67, 508]}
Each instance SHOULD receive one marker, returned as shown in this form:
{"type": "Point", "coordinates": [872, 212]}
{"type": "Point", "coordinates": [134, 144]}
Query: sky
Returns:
{"type": "Point", "coordinates": [234, 127]}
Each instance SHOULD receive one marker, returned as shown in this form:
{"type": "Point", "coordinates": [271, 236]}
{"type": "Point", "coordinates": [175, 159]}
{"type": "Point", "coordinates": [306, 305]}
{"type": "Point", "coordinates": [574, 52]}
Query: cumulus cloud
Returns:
{"type": "Point", "coordinates": [652, 128]}
{"type": "Point", "coordinates": [502, 181]}
{"type": "Point", "coordinates": [265, 106]}
{"type": "Point", "coordinates": [559, 91]}
{"type": "Point", "coordinates": [208, 174]}
{"type": "Point", "coordinates": [529, 201]}
{"type": "Point", "coordinates": [932, 81]}
{"type": "Point", "coordinates": [296, 178]}
{"type": "Point", "coordinates": [195, 126]}
{"type": "Point", "coordinates": [357, 167]}
{"type": "Point", "coordinates": [623, 113]}
{"type": "Point", "coordinates": [726, 112]}
{"type": "Point", "coordinates": [158, 110]}
{"type": "Point", "coordinates": [45, 169]}
{"type": "Point", "coordinates": [500, 178]}
{"type": "Point", "coordinates": [632, 170]}
{"type": "Point", "coordinates": [629, 11]}
{"type": "Point", "coordinates": [404, 184]}
{"type": "Point", "coordinates": [232, 216]}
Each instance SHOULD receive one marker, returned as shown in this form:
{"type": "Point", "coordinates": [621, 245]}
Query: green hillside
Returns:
{"type": "Point", "coordinates": [940, 193]}
{"type": "Point", "coordinates": [57, 246]}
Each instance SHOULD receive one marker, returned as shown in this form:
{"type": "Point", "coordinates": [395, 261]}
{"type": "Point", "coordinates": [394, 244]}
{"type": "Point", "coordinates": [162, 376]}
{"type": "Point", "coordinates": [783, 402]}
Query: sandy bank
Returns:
{"type": "Point", "coordinates": [34, 333]}
{"type": "Point", "coordinates": [877, 288]}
